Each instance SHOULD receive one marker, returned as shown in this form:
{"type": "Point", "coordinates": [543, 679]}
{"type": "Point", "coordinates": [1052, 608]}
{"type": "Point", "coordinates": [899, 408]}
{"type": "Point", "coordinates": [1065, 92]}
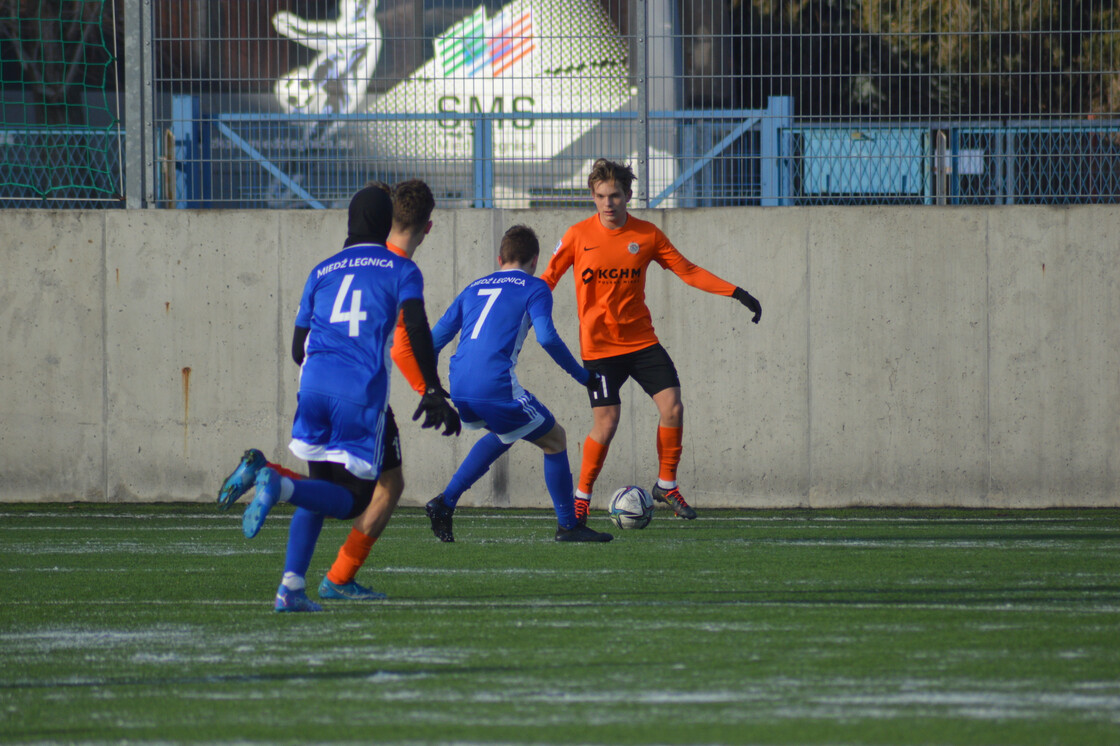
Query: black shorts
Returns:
{"type": "Point", "coordinates": [651, 367]}
{"type": "Point", "coordinates": [362, 489]}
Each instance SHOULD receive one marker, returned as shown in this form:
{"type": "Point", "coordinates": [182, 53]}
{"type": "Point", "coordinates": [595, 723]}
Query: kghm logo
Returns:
{"type": "Point", "coordinates": [614, 273]}
{"type": "Point", "coordinates": [475, 44]}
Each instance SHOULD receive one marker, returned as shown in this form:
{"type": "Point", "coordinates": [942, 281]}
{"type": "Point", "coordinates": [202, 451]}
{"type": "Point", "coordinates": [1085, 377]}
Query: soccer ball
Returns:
{"type": "Point", "coordinates": [631, 507]}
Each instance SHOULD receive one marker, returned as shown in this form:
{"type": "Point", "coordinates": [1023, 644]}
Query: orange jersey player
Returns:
{"type": "Point", "coordinates": [610, 254]}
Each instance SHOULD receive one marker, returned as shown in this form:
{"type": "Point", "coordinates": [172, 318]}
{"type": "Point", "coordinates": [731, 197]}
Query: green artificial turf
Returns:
{"type": "Point", "coordinates": [154, 623]}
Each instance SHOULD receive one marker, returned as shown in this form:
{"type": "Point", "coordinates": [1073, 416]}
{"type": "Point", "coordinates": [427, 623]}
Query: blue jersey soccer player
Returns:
{"type": "Point", "coordinates": [343, 426]}
{"type": "Point", "coordinates": [492, 317]}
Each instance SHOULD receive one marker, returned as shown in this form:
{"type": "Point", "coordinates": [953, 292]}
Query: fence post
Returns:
{"type": "Point", "coordinates": [941, 167]}
{"type": "Point", "coordinates": [641, 74]}
{"type": "Point", "coordinates": [192, 153]}
{"type": "Point", "coordinates": [137, 91]}
{"type": "Point", "coordinates": [776, 162]}
{"type": "Point", "coordinates": [483, 138]}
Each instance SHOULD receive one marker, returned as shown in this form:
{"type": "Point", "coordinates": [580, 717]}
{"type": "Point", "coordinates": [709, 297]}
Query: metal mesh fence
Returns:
{"type": "Point", "coordinates": [59, 134]}
{"type": "Point", "coordinates": [297, 103]}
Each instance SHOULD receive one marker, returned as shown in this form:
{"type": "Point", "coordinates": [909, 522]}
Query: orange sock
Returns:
{"type": "Point", "coordinates": [594, 454]}
{"type": "Point", "coordinates": [669, 440]}
{"type": "Point", "coordinates": [285, 472]}
{"type": "Point", "coordinates": [351, 557]}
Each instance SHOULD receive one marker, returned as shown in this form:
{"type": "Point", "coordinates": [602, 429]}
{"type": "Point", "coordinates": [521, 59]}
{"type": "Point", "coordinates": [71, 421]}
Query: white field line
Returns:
{"type": "Point", "coordinates": [547, 515]}
{"type": "Point", "coordinates": [599, 601]}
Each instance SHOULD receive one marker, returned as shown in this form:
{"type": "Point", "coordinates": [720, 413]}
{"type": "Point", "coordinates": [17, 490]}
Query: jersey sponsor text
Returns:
{"type": "Point", "coordinates": [361, 261]}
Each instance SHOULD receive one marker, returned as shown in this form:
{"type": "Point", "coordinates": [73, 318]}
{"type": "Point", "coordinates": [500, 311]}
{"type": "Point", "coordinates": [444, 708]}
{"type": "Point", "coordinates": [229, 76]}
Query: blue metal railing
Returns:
{"type": "Point", "coordinates": [717, 157]}
{"type": "Point", "coordinates": [957, 163]}
{"type": "Point", "coordinates": [733, 126]}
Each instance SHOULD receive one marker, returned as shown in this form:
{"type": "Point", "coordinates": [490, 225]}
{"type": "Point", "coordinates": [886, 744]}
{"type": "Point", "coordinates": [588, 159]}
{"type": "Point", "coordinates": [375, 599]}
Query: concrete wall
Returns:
{"type": "Point", "coordinates": [932, 356]}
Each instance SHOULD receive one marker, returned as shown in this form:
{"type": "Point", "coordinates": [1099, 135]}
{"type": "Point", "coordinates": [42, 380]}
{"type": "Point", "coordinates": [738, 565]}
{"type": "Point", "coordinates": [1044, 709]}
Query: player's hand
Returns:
{"type": "Point", "coordinates": [438, 412]}
{"type": "Point", "coordinates": [750, 302]}
{"type": "Point", "coordinates": [596, 385]}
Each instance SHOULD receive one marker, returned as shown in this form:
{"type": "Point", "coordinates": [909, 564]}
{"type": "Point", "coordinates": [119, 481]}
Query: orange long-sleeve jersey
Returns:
{"type": "Point", "coordinates": [401, 351]}
{"type": "Point", "coordinates": [609, 268]}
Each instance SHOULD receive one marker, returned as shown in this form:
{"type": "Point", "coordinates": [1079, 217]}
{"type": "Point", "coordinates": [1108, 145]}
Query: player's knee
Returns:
{"type": "Point", "coordinates": [554, 441]}
{"type": "Point", "coordinates": [561, 438]}
{"type": "Point", "coordinates": [393, 482]}
{"type": "Point", "coordinates": [604, 428]}
{"type": "Point", "coordinates": [672, 412]}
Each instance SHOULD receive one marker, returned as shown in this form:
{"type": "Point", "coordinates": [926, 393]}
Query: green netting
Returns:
{"type": "Point", "coordinates": [59, 133]}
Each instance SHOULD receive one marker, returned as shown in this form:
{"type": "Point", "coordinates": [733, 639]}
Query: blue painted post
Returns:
{"type": "Point", "coordinates": [192, 153]}
{"type": "Point", "coordinates": [776, 166]}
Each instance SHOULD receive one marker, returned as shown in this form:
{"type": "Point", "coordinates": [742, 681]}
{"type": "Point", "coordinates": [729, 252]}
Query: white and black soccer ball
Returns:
{"type": "Point", "coordinates": [630, 507]}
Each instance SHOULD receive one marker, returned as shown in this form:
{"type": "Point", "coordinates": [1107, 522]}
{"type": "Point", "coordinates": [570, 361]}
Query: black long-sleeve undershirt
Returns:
{"type": "Point", "coordinates": [415, 320]}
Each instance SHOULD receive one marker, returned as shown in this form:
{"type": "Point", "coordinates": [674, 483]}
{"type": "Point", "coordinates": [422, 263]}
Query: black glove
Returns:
{"type": "Point", "coordinates": [749, 301]}
{"type": "Point", "coordinates": [596, 385]}
{"type": "Point", "coordinates": [438, 411]}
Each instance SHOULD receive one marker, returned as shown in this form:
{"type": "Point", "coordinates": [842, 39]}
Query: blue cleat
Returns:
{"type": "Point", "coordinates": [348, 591]}
{"type": "Point", "coordinates": [289, 600]}
{"type": "Point", "coordinates": [267, 495]}
{"type": "Point", "coordinates": [242, 478]}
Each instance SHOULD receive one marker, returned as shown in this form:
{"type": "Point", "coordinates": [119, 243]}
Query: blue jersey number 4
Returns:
{"type": "Point", "coordinates": [355, 315]}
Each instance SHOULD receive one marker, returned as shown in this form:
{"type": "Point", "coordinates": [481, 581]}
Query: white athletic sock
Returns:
{"type": "Point", "coordinates": [666, 485]}
{"type": "Point", "coordinates": [293, 582]}
{"type": "Point", "coordinates": [286, 487]}
{"type": "Point", "coordinates": [581, 495]}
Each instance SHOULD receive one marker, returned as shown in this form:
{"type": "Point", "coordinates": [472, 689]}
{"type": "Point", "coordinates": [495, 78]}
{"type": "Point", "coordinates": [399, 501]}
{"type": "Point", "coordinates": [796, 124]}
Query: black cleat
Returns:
{"type": "Point", "coordinates": [674, 500]}
{"type": "Point", "coordinates": [440, 515]}
{"type": "Point", "coordinates": [583, 507]}
{"type": "Point", "coordinates": [582, 533]}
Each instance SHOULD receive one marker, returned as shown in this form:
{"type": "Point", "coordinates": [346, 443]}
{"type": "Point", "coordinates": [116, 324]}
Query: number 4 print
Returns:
{"type": "Point", "coordinates": [355, 315]}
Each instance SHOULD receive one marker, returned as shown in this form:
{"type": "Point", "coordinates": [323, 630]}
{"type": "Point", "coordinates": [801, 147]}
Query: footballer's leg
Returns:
{"type": "Point", "coordinates": [314, 499]}
{"type": "Point", "coordinates": [606, 408]}
{"type": "Point", "coordinates": [384, 495]}
{"type": "Point", "coordinates": [604, 424]}
{"type": "Point", "coordinates": [339, 583]}
{"type": "Point", "coordinates": [482, 455]}
{"type": "Point", "coordinates": [242, 478]}
{"type": "Point", "coordinates": [558, 479]}
{"type": "Point", "coordinates": [655, 372]}
{"type": "Point", "coordinates": [244, 475]}
{"type": "Point", "coordinates": [670, 434]}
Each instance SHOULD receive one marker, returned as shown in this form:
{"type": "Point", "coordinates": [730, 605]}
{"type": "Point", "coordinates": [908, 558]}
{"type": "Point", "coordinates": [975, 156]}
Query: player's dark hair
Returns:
{"type": "Point", "coordinates": [412, 205]}
{"type": "Point", "coordinates": [603, 170]}
{"type": "Point", "coordinates": [519, 246]}
{"type": "Point", "coordinates": [380, 185]}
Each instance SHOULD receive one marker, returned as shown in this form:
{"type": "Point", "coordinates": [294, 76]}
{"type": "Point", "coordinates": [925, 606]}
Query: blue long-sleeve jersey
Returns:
{"type": "Point", "coordinates": [493, 316]}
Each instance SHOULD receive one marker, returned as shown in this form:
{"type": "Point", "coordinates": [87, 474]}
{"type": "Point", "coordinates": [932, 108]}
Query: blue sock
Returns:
{"type": "Point", "coordinates": [323, 497]}
{"type": "Point", "coordinates": [482, 454]}
{"type": "Point", "coordinates": [302, 536]}
{"type": "Point", "coordinates": [558, 479]}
